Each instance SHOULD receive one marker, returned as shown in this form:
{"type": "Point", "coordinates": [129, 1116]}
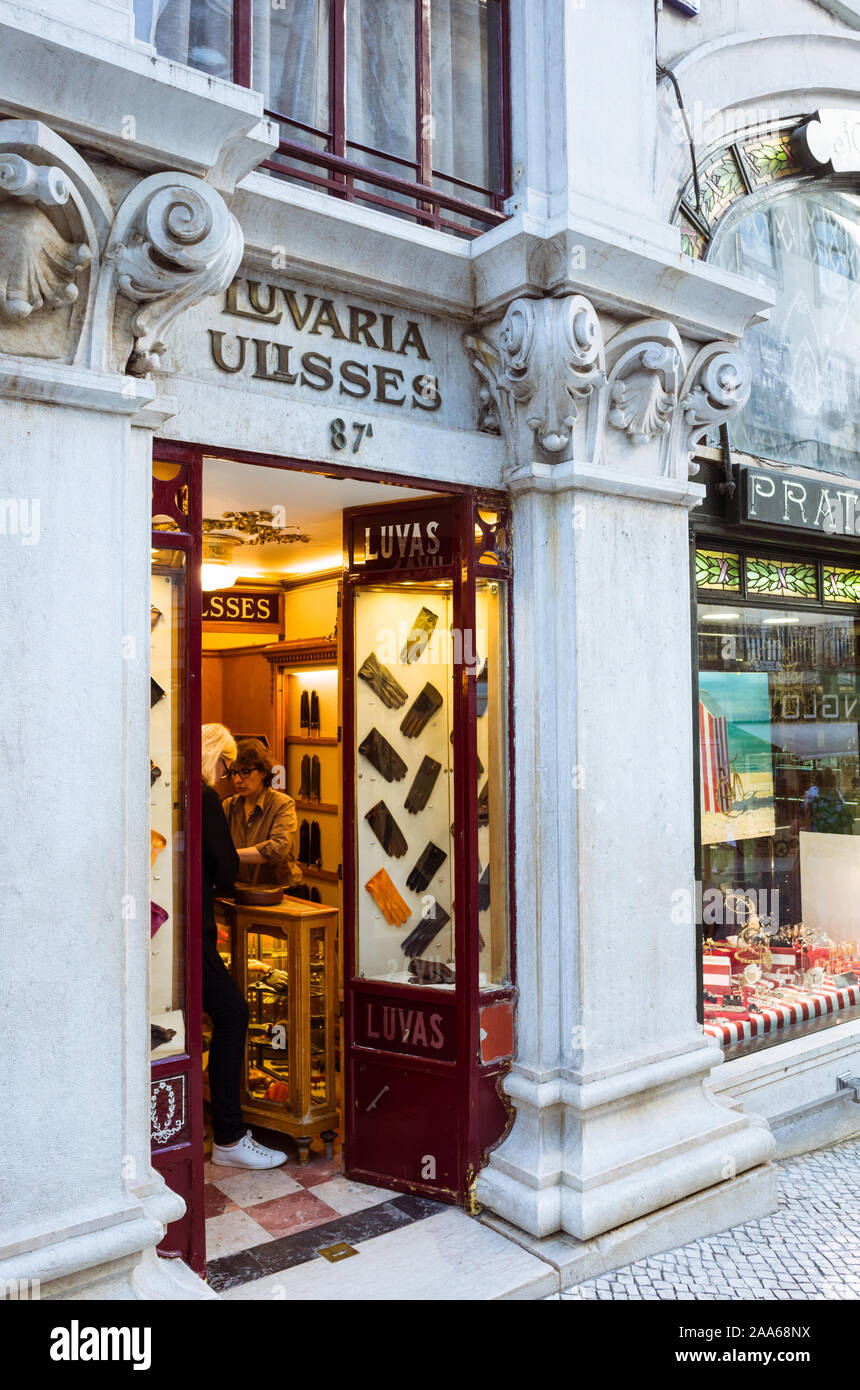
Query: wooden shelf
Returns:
{"type": "Point", "coordinates": [312, 742]}
{"type": "Point", "coordinates": [325, 808]}
{"type": "Point", "coordinates": [326, 874]}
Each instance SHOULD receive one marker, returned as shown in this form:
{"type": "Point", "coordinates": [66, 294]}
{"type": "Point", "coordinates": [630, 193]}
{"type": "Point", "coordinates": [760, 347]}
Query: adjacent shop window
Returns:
{"type": "Point", "coordinates": [394, 104]}
{"type": "Point", "coordinates": [778, 716]}
{"type": "Point", "coordinates": [805, 402]}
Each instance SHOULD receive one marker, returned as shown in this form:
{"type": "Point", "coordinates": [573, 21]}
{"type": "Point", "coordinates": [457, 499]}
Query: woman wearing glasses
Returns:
{"type": "Point", "coordinates": [262, 821]}
{"type": "Point", "coordinates": [234, 1145]}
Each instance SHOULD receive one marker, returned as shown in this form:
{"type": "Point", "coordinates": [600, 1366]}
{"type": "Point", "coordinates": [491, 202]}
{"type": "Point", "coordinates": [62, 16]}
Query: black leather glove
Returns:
{"type": "Point", "coordinates": [304, 843]}
{"type": "Point", "coordinates": [484, 805]}
{"type": "Point", "coordinates": [422, 786]}
{"type": "Point", "coordinates": [423, 707]}
{"type": "Point", "coordinates": [305, 710]}
{"type": "Point", "coordinates": [315, 712]}
{"type": "Point", "coordinates": [305, 784]}
{"type": "Point", "coordinates": [481, 690]}
{"type": "Point", "coordinates": [386, 830]}
{"type": "Point", "coordinates": [484, 890]}
{"type": "Point", "coordinates": [433, 972]}
{"type": "Point", "coordinates": [429, 927]}
{"type": "Point", "coordinates": [315, 845]}
{"type": "Point", "coordinates": [383, 757]}
{"type": "Point", "coordinates": [156, 692]}
{"type": "Point", "coordinates": [418, 638]}
{"type": "Point", "coordinates": [429, 862]}
{"type": "Point", "coordinates": [315, 778]}
{"type": "Point", "coordinates": [381, 681]}
{"type": "Point", "coordinates": [154, 773]}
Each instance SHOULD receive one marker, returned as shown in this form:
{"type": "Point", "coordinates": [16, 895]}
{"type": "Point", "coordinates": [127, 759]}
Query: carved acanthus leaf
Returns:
{"type": "Point", "coordinates": [645, 392]}
{"type": "Point", "coordinates": [37, 265]}
{"type": "Point", "coordinates": [173, 242]}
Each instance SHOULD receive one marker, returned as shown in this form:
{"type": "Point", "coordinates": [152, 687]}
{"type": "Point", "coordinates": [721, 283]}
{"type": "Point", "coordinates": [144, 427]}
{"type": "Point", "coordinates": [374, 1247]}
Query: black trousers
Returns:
{"type": "Point", "coordinates": [229, 1014]}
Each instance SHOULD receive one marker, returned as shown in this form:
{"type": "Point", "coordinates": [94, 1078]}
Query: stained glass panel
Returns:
{"type": "Point", "coordinates": [841, 585]}
{"type": "Point", "coordinates": [777, 577]}
{"type": "Point", "coordinates": [718, 569]}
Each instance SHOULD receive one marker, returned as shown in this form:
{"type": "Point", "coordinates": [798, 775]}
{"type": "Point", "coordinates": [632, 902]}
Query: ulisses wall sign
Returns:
{"type": "Point", "coordinates": [310, 340]}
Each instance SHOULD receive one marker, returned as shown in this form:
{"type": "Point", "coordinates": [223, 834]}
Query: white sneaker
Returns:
{"type": "Point", "coordinates": [247, 1154]}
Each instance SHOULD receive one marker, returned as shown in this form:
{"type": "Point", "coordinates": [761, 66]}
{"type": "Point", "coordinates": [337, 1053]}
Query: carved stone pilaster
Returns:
{"type": "Point", "coordinates": [637, 406]}
{"type": "Point", "coordinates": [82, 285]}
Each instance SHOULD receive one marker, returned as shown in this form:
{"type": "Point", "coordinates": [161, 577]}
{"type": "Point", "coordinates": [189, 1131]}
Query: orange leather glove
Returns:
{"type": "Point", "coordinates": [157, 843]}
{"type": "Point", "coordinates": [387, 899]}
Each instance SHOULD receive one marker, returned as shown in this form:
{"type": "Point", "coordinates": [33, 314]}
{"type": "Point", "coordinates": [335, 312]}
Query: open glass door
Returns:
{"type": "Point", "coordinates": [176, 1118]}
{"type": "Point", "coordinates": [425, 862]}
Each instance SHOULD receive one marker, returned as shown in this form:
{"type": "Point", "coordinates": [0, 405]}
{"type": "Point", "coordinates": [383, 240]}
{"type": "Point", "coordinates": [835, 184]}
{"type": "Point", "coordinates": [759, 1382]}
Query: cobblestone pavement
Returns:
{"type": "Point", "coordinates": [808, 1249]}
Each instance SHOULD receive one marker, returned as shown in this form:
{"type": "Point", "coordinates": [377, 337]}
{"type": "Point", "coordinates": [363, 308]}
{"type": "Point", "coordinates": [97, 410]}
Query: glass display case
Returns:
{"type": "Point", "coordinates": [284, 961]}
{"type": "Point", "coordinates": [166, 796]}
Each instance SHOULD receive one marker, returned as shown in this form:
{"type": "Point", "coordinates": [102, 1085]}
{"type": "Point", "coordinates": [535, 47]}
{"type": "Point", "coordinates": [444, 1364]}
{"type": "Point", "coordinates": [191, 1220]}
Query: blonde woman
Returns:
{"type": "Point", "coordinates": [234, 1145]}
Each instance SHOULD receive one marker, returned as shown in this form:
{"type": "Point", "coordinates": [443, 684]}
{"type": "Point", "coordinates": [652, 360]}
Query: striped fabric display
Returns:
{"type": "Point", "coordinates": [828, 999]}
{"type": "Point", "coordinates": [783, 958]}
{"type": "Point", "coordinates": [716, 768]}
{"type": "Point", "coordinates": [717, 973]}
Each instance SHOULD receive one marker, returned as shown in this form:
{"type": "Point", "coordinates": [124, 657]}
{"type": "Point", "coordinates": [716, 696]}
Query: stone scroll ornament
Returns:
{"type": "Point", "coordinates": [173, 242]}
{"type": "Point", "coordinates": [716, 387]}
{"type": "Point", "coordinates": [125, 275]}
{"type": "Point", "coordinates": [545, 368]}
{"type": "Point", "coordinates": [38, 266]}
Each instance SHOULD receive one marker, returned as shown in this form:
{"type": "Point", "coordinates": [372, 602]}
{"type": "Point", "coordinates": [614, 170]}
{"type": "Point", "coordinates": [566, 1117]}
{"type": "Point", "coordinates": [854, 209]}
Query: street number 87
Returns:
{"type": "Point", "coordinates": [339, 440]}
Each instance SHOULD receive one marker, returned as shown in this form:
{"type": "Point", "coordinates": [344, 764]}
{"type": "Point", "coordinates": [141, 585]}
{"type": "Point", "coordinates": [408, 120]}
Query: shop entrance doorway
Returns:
{"type": "Point", "coordinates": [357, 632]}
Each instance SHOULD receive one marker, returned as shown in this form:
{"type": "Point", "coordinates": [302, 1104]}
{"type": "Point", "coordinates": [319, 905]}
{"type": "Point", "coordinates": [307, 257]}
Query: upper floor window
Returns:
{"type": "Point", "coordinates": [805, 402]}
{"type": "Point", "coordinates": [394, 104]}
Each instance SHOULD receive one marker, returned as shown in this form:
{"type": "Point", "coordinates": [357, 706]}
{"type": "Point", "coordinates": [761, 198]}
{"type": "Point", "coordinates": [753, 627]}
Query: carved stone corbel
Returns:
{"type": "Point", "coordinates": [541, 376]}
{"type": "Point", "coordinates": [716, 387]}
{"type": "Point", "coordinates": [173, 242]}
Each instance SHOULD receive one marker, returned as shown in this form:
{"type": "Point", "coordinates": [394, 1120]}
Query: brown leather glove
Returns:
{"type": "Point", "coordinates": [387, 899]}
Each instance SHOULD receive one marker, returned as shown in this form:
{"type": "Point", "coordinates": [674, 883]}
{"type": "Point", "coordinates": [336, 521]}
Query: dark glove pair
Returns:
{"type": "Point", "coordinates": [309, 711]}
{"type": "Point", "coordinates": [426, 868]}
{"type": "Point", "coordinates": [309, 790]}
{"type": "Point", "coordinates": [386, 830]}
{"type": "Point", "coordinates": [423, 707]}
{"type": "Point", "coordinates": [422, 786]}
{"type": "Point", "coordinates": [383, 757]}
{"type": "Point", "coordinates": [382, 682]}
{"type": "Point", "coordinates": [427, 929]}
{"type": "Point", "coordinates": [310, 846]}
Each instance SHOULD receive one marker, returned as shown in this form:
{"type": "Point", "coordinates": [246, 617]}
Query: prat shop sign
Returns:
{"type": "Point", "coordinates": [410, 1026]}
{"type": "Point", "coordinates": [399, 541]}
{"type": "Point", "coordinates": [260, 609]}
{"type": "Point", "coordinates": [802, 504]}
{"type": "Point", "coordinates": [345, 351]}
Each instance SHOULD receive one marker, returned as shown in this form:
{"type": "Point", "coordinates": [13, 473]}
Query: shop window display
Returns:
{"type": "Point", "coordinates": [407, 659]}
{"type": "Point", "coordinates": [166, 773]}
{"type": "Point", "coordinates": [778, 718]}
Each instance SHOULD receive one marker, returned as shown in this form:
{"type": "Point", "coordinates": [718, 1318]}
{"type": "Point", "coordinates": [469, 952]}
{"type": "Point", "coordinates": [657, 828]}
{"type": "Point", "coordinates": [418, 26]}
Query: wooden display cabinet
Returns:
{"type": "Point", "coordinates": [284, 961]}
